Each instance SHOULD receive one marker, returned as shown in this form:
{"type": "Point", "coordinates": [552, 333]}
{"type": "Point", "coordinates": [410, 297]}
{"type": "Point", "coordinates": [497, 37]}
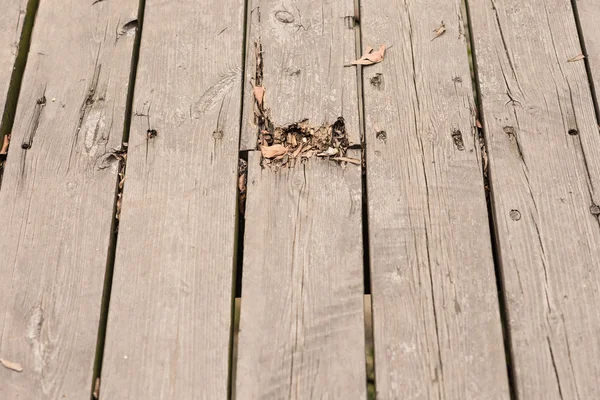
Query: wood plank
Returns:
{"type": "Point", "coordinates": [435, 309]}
{"type": "Point", "coordinates": [11, 24]}
{"type": "Point", "coordinates": [302, 322]}
{"type": "Point", "coordinates": [588, 12]}
{"type": "Point", "coordinates": [543, 142]}
{"type": "Point", "coordinates": [301, 328]}
{"type": "Point", "coordinates": [305, 78]}
{"type": "Point", "coordinates": [58, 194]}
{"type": "Point", "coordinates": [171, 306]}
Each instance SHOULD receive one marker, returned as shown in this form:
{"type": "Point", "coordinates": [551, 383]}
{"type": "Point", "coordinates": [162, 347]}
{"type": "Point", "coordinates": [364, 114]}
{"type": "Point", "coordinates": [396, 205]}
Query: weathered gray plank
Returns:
{"type": "Point", "coordinates": [170, 313]}
{"type": "Point", "coordinates": [543, 147]}
{"type": "Point", "coordinates": [11, 25]}
{"type": "Point", "coordinates": [435, 309]}
{"type": "Point", "coordinates": [588, 12]}
{"type": "Point", "coordinates": [304, 78]}
{"type": "Point", "coordinates": [301, 328]}
{"type": "Point", "coordinates": [58, 194]}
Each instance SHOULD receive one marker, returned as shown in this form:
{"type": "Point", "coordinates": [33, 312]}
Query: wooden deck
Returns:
{"type": "Point", "coordinates": [425, 227]}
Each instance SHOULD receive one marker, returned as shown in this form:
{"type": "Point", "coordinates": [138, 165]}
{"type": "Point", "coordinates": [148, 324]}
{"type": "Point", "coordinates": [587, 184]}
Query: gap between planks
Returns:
{"type": "Point", "coordinates": [16, 77]}
{"type": "Point", "coordinates": [502, 305]}
{"type": "Point", "coordinates": [119, 189]}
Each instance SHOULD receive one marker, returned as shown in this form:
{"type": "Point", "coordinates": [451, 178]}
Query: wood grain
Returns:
{"type": "Point", "coordinates": [58, 195]}
{"type": "Point", "coordinates": [301, 328]}
{"type": "Point", "coordinates": [543, 147]}
{"type": "Point", "coordinates": [11, 25]}
{"type": "Point", "coordinates": [588, 12]}
{"type": "Point", "coordinates": [170, 315]}
{"type": "Point", "coordinates": [306, 46]}
{"type": "Point", "coordinates": [435, 310]}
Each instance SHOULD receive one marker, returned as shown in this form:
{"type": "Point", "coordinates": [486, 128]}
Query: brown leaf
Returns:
{"type": "Point", "coordinates": [478, 124]}
{"type": "Point", "coordinates": [273, 151]}
{"type": "Point", "coordinates": [371, 57]}
{"type": "Point", "coordinates": [4, 149]}
{"type": "Point", "coordinates": [308, 154]}
{"type": "Point", "coordinates": [297, 151]}
{"type": "Point", "coordinates": [242, 183]}
{"type": "Point", "coordinates": [259, 94]}
{"type": "Point", "coordinates": [347, 159]}
{"type": "Point", "coordinates": [96, 393]}
{"type": "Point", "coordinates": [331, 151]}
{"type": "Point", "coordinates": [576, 58]}
{"type": "Point", "coordinates": [11, 365]}
{"type": "Point", "coordinates": [439, 31]}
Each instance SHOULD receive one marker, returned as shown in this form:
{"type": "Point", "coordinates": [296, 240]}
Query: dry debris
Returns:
{"type": "Point", "coordinates": [96, 393]}
{"type": "Point", "coordinates": [11, 365]}
{"type": "Point", "coordinates": [283, 146]}
{"type": "Point", "coordinates": [122, 157]}
{"type": "Point", "coordinates": [5, 144]}
{"type": "Point", "coordinates": [439, 31]}
{"type": "Point", "coordinates": [259, 94]}
{"type": "Point", "coordinates": [3, 153]}
{"type": "Point", "coordinates": [576, 58]}
{"type": "Point", "coordinates": [242, 181]}
{"type": "Point", "coordinates": [370, 56]}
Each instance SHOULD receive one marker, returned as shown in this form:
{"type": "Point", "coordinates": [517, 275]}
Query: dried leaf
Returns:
{"type": "Point", "coordinates": [382, 50]}
{"type": "Point", "coordinates": [273, 151]}
{"type": "Point", "coordinates": [297, 151]}
{"type": "Point", "coordinates": [328, 153]}
{"type": "Point", "coordinates": [371, 57]}
{"type": "Point", "coordinates": [347, 159]}
{"type": "Point", "coordinates": [576, 58]}
{"type": "Point", "coordinates": [11, 365]}
{"type": "Point", "coordinates": [439, 31]}
{"type": "Point", "coordinates": [4, 149]}
{"type": "Point", "coordinates": [259, 94]}
{"type": "Point", "coordinates": [96, 393]}
{"type": "Point", "coordinates": [242, 183]}
{"type": "Point", "coordinates": [308, 154]}
{"type": "Point", "coordinates": [478, 124]}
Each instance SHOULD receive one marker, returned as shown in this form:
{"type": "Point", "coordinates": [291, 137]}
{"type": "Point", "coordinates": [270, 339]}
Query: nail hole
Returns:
{"type": "Point", "coordinates": [377, 80]}
{"type": "Point", "coordinates": [515, 215]}
{"type": "Point", "coordinates": [458, 139]}
{"type": "Point", "coordinates": [573, 132]}
{"type": "Point", "coordinates": [151, 133]}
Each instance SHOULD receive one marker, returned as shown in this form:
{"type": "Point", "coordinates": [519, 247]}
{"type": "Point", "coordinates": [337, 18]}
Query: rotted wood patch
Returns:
{"type": "Point", "coordinates": [284, 146]}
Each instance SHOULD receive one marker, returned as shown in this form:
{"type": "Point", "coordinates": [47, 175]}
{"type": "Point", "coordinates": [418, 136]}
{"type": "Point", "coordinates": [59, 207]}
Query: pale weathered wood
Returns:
{"type": "Point", "coordinates": [543, 147]}
{"type": "Point", "coordinates": [11, 25]}
{"type": "Point", "coordinates": [58, 195]}
{"type": "Point", "coordinates": [588, 12]}
{"type": "Point", "coordinates": [305, 48]}
{"type": "Point", "coordinates": [170, 314]}
{"type": "Point", "coordinates": [301, 328]}
{"type": "Point", "coordinates": [436, 317]}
